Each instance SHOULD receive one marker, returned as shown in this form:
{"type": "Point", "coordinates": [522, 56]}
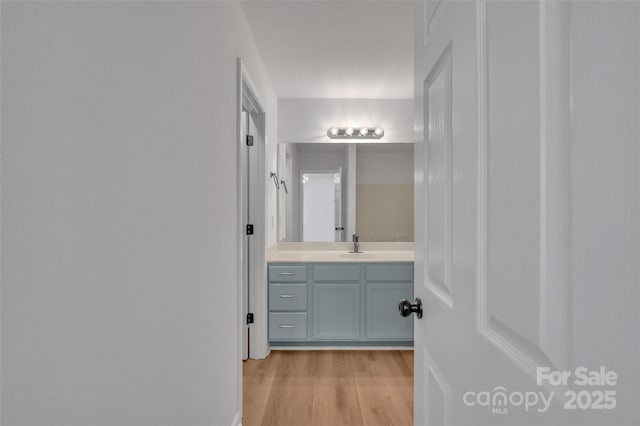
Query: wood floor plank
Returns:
{"type": "Point", "coordinates": [258, 376]}
{"type": "Point", "coordinates": [335, 400]}
{"type": "Point", "coordinates": [329, 388]}
{"type": "Point", "coordinates": [385, 391]}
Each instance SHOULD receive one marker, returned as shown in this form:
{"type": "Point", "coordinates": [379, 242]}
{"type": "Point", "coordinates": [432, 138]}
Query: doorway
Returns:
{"type": "Point", "coordinates": [321, 206]}
{"type": "Point", "coordinates": [251, 198]}
{"type": "Point", "coordinates": [526, 215]}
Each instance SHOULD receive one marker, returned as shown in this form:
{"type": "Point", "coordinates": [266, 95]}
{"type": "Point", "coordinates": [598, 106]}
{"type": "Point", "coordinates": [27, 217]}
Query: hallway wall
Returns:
{"type": "Point", "coordinates": [119, 252]}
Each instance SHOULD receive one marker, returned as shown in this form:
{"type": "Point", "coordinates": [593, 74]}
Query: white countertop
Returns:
{"type": "Point", "coordinates": [339, 252]}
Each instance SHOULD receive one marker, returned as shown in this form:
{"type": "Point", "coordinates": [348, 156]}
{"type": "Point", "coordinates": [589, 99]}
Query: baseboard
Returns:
{"type": "Point", "coordinates": [344, 344]}
{"type": "Point", "coordinates": [262, 355]}
{"type": "Point", "coordinates": [237, 420]}
{"type": "Point", "coordinates": [342, 348]}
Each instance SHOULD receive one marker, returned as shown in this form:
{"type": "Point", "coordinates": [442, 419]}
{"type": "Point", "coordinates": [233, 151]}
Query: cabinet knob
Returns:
{"type": "Point", "coordinates": [407, 308]}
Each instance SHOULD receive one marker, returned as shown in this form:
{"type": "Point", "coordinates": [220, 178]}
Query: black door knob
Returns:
{"type": "Point", "coordinates": [407, 308]}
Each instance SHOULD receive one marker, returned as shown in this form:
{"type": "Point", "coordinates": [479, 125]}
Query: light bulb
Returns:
{"type": "Point", "coordinates": [378, 132]}
{"type": "Point", "coordinates": [349, 131]}
{"type": "Point", "coordinates": [333, 131]}
{"type": "Point", "coordinates": [364, 131]}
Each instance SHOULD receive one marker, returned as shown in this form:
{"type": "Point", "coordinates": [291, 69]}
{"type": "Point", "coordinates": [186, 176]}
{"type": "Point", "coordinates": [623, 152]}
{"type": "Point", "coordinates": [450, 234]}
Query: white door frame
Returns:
{"type": "Point", "coordinates": [258, 345]}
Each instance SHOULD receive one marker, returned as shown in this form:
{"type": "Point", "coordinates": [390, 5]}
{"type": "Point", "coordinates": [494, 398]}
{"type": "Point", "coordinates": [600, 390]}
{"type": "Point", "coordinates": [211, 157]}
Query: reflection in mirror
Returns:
{"type": "Point", "coordinates": [321, 205]}
{"type": "Point", "coordinates": [337, 189]}
{"type": "Point", "coordinates": [384, 192]}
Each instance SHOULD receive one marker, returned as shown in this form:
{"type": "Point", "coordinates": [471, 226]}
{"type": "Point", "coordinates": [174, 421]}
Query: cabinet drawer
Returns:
{"type": "Point", "coordinates": [336, 273]}
{"type": "Point", "coordinates": [287, 326]}
{"type": "Point", "coordinates": [385, 273]}
{"type": "Point", "coordinates": [287, 297]}
{"type": "Point", "coordinates": [287, 273]}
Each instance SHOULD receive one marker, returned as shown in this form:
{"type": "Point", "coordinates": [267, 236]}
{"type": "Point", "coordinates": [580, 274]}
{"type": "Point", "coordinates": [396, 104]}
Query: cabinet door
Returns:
{"type": "Point", "coordinates": [384, 322]}
{"type": "Point", "coordinates": [336, 311]}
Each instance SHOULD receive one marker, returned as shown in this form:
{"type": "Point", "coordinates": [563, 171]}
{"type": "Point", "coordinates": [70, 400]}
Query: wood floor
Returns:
{"type": "Point", "coordinates": [329, 388]}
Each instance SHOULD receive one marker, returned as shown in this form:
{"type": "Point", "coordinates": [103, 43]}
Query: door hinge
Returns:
{"type": "Point", "coordinates": [250, 318]}
{"type": "Point", "coordinates": [249, 140]}
{"type": "Point", "coordinates": [249, 229]}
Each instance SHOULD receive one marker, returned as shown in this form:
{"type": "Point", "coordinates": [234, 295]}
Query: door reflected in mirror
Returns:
{"type": "Point", "coordinates": [339, 189]}
{"type": "Point", "coordinates": [321, 206]}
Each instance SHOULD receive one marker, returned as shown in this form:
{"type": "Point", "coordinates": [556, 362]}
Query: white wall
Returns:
{"type": "Point", "coordinates": [287, 158]}
{"type": "Point", "coordinates": [271, 164]}
{"type": "Point", "coordinates": [118, 211]}
{"type": "Point", "coordinates": [307, 120]}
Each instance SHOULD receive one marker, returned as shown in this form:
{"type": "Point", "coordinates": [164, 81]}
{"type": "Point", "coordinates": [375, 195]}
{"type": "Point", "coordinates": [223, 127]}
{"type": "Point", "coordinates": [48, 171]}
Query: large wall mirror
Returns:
{"type": "Point", "coordinates": [333, 190]}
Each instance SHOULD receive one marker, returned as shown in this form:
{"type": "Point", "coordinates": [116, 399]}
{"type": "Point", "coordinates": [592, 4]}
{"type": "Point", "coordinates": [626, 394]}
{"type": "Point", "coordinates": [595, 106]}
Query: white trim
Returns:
{"type": "Point", "coordinates": [237, 420]}
{"type": "Point", "coordinates": [238, 319]}
{"type": "Point", "coordinates": [243, 80]}
{"type": "Point", "coordinates": [342, 348]}
{"type": "Point", "coordinates": [259, 346]}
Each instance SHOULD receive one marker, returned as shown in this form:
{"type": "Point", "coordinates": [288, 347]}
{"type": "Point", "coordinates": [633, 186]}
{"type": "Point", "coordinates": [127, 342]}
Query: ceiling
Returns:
{"type": "Point", "coordinates": [335, 49]}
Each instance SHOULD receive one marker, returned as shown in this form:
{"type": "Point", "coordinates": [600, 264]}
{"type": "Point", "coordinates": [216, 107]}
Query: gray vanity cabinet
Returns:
{"type": "Point", "coordinates": [339, 304]}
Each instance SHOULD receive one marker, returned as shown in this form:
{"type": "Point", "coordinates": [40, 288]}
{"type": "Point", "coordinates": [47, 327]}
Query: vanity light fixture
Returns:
{"type": "Point", "coordinates": [355, 133]}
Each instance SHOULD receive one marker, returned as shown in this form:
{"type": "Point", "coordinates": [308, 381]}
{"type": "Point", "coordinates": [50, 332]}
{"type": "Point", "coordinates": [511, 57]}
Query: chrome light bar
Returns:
{"type": "Point", "coordinates": [355, 133]}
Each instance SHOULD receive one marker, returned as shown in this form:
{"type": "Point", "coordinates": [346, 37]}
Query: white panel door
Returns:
{"type": "Point", "coordinates": [321, 206]}
{"type": "Point", "coordinates": [527, 206]}
{"type": "Point", "coordinates": [318, 206]}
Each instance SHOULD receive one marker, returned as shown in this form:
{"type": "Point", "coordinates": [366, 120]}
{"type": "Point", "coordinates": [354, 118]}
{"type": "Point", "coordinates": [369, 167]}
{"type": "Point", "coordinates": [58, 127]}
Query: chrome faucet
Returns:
{"type": "Point", "coordinates": [356, 244]}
